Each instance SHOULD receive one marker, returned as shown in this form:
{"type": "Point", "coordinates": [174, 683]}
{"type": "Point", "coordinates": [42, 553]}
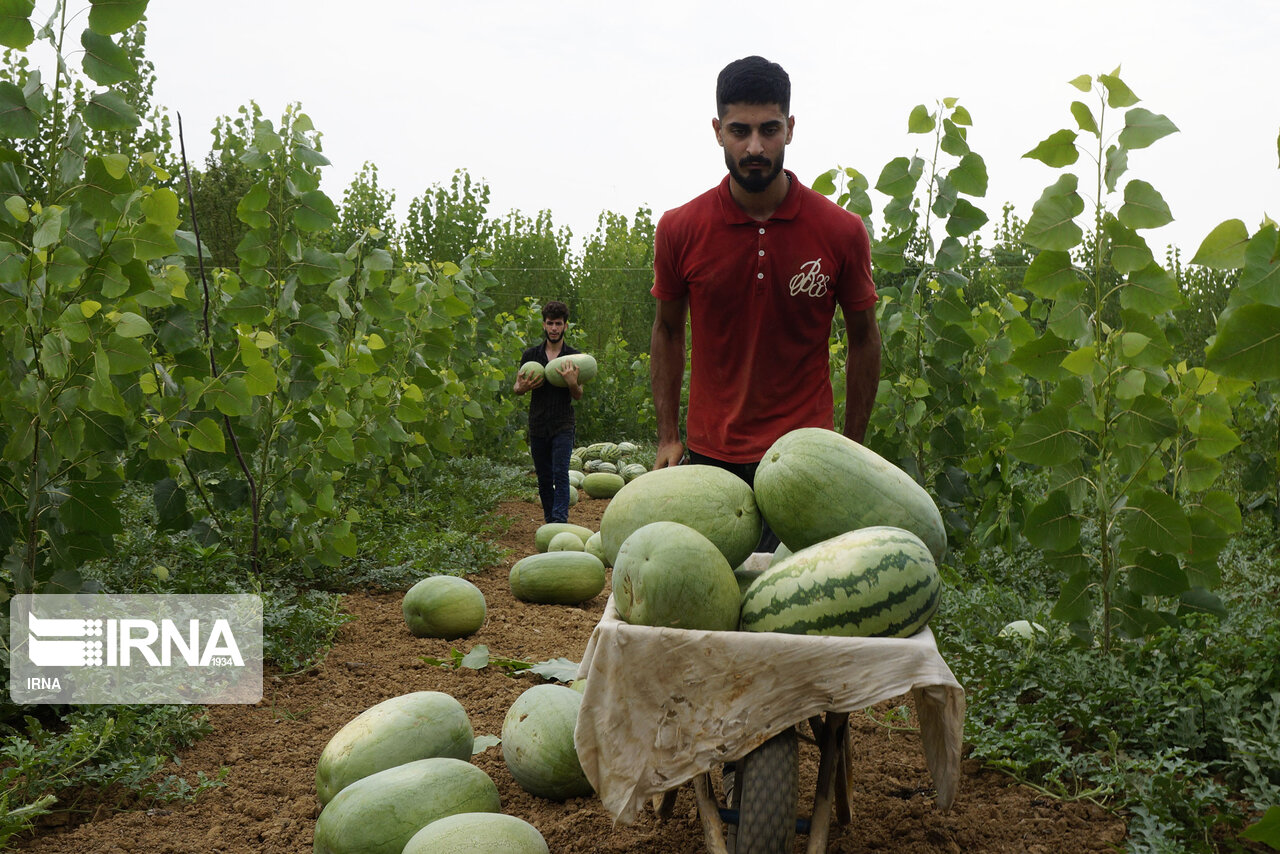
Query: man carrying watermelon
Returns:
{"type": "Point", "coordinates": [551, 422]}
{"type": "Point", "coordinates": [758, 265]}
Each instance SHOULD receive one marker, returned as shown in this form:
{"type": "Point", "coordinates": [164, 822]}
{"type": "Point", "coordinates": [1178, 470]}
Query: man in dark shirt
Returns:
{"type": "Point", "coordinates": [551, 425]}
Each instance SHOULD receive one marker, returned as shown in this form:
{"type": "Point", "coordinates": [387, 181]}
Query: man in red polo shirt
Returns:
{"type": "Point", "coordinates": [758, 264]}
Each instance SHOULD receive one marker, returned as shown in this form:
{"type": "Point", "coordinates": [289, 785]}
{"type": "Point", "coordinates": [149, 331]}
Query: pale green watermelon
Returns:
{"type": "Point", "coordinates": [668, 574]}
{"type": "Point", "coordinates": [537, 743]}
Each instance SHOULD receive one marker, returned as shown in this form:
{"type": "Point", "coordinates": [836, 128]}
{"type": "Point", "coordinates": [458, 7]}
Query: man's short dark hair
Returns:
{"type": "Point", "coordinates": [753, 80]}
{"type": "Point", "coordinates": [555, 310]}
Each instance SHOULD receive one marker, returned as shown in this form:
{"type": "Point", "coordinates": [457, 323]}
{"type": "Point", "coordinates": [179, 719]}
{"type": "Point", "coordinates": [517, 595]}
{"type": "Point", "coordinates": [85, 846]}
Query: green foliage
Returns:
{"type": "Point", "coordinates": [121, 749]}
{"type": "Point", "coordinates": [365, 214]}
{"type": "Point", "coordinates": [1133, 439]}
{"type": "Point", "coordinates": [1166, 728]}
{"type": "Point", "coordinates": [448, 224]}
{"type": "Point", "coordinates": [531, 261]}
{"type": "Point", "coordinates": [614, 275]}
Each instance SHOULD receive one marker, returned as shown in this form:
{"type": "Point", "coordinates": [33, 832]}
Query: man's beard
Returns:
{"type": "Point", "coordinates": [753, 182]}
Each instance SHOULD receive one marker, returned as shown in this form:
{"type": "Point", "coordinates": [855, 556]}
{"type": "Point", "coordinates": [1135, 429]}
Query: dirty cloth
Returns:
{"type": "Point", "coordinates": [664, 705]}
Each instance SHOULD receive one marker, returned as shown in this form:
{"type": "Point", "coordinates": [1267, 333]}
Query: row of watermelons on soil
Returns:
{"type": "Point", "coordinates": [861, 541]}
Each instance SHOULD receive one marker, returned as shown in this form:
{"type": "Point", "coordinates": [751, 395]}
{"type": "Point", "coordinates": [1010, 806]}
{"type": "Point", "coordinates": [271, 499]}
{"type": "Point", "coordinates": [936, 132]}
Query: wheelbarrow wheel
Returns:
{"type": "Point", "coordinates": [765, 794]}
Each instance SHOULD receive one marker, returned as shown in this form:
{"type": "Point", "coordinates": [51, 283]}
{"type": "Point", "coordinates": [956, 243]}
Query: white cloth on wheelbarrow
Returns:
{"type": "Point", "coordinates": [662, 706]}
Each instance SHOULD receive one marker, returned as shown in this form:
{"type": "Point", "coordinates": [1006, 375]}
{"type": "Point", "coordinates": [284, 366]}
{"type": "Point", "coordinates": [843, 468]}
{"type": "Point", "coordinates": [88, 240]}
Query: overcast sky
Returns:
{"type": "Point", "coordinates": [588, 105]}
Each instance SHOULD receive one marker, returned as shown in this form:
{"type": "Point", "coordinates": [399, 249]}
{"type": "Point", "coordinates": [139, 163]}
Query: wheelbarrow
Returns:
{"type": "Point", "coordinates": [663, 708]}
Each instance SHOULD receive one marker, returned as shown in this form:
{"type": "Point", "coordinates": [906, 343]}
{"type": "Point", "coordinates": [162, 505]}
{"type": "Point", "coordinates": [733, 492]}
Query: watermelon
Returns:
{"type": "Point", "coordinates": [557, 578]}
{"type": "Point", "coordinates": [420, 725]}
{"type": "Point", "coordinates": [586, 369]}
{"type": "Point", "coordinates": [575, 477]}
{"type": "Point", "coordinates": [813, 484]}
{"type": "Point", "coordinates": [478, 833]}
{"type": "Point", "coordinates": [602, 484]}
{"type": "Point", "coordinates": [626, 449]}
{"type": "Point", "coordinates": [872, 582]}
{"type": "Point", "coordinates": [595, 547]}
{"type": "Point", "coordinates": [443, 606]}
{"type": "Point", "coordinates": [631, 471]}
{"type": "Point", "coordinates": [531, 370]}
{"type": "Point", "coordinates": [379, 814]}
{"type": "Point", "coordinates": [573, 495]}
{"type": "Point", "coordinates": [566, 541]}
{"type": "Point", "coordinates": [610, 452]}
{"type": "Point", "coordinates": [668, 574]}
{"type": "Point", "coordinates": [537, 743]}
{"type": "Point", "coordinates": [712, 501]}
{"type": "Point", "coordinates": [542, 536]}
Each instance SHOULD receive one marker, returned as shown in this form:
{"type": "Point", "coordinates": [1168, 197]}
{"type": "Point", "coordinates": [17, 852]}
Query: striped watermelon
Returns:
{"type": "Point", "coordinates": [813, 484]}
{"type": "Point", "coordinates": [872, 582]}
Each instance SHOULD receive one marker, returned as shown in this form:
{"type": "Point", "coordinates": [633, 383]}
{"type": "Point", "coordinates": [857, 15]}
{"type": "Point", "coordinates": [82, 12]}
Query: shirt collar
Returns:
{"type": "Point", "coordinates": [735, 215]}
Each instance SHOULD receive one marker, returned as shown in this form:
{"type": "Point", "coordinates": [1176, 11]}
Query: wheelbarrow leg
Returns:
{"type": "Point", "coordinates": [833, 739]}
{"type": "Point", "coordinates": [709, 812]}
{"type": "Point", "coordinates": [665, 804]}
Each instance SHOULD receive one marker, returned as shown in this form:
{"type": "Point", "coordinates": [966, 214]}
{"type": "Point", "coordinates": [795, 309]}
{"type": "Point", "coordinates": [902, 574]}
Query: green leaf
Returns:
{"type": "Point", "coordinates": [1051, 225]}
{"type": "Point", "coordinates": [1129, 252]}
{"type": "Point", "coordinates": [315, 211]}
{"type": "Point", "coordinates": [91, 506]}
{"type": "Point", "coordinates": [953, 140]}
{"type": "Point", "coordinates": [1041, 357]}
{"type": "Point", "coordinates": [1247, 343]}
{"type": "Point", "coordinates": [920, 120]}
{"type": "Point", "coordinates": [1048, 273]}
{"type": "Point", "coordinates": [1202, 601]}
{"type": "Point", "coordinates": [115, 16]}
{"type": "Point", "coordinates": [107, 111]}
{"type": "Point", "coordinates": [1116, 164]}
{"type": "Point", "coordinates": [206, 435]}
{"type": "Point", "coordinates": [104, 61]}
{"type": "Point", "coordinates": [483, 743]}
{"type": "Point", "coordinates": [1157, 575]}
{"type": "Point", "coordinates": [1074, 603]}
{"type": "Point", "coordinates": [1084, 117]}
{"type": "Point", "coordinates": [1118, 94]}
{"type": "Point", "coordinates": [555, 669]}
{"type": "Point", "coordinates": [15, 23]}
{"type": "Point", "coordinates": [1143, 127]}
{"type": "Point", "coordinates": [1266, 829]}
{"type": "Point", "coordinates": [1056, 150]}
{"type": "Point", "coordinates": [965, 219]}
{"type": "Point", "coordinates": [1153, 520]}
{"type": "Point", "coordinates": [951, 253]}
{"type": "Point", "coordinates": [1150, 290]}
{"type": "Point", "coordinates": [1200, 470]}
{"type": "Point", "coordinates": [1147, 420]}
{"type": "Point", "coordinates": [1051, 525]}
{"type": "Point", "coordinates": [1260, 278]}
{"type": "Point", "coordinates": [170, 501]}
{"type": "Point", "coordinates": [1084, 82]}
{"type": "Point", "coordinates": [826, 182]}
{"type": "Point", "coordinates": [897, 179]}
{"type": "Point", "coordinates": [1143, 206]}
{"type": "Point", "coordinates": [970, 175]}
{"type": "Point", "coordinates": [1081, 362]}
{"type": "Point", "coordinates": [318, 267]}
{"type": "Point", "coordinates": [887, 253]}
{"type": "Point", "coordinates": [477, 658]}
{"type": "Point", "coordinates": [1044, 439]}
{"type": "Point", "coordinates": [17, 121]}
{"type": "Point", "coordinates": [130, 325]}
{"type": "Point", "coordinates": [1224, 248]}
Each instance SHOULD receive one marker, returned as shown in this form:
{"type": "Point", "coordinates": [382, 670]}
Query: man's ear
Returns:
{"type": "Point", "coordinates": [715, 126]}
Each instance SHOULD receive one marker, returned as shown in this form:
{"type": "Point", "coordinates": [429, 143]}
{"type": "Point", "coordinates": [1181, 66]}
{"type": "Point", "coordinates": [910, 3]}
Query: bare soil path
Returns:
{"type": "Point", "coordinates": [270, 749]}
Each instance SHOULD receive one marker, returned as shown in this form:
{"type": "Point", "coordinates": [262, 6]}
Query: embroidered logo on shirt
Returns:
{"type": "Point", "coordinates": [810, 280]}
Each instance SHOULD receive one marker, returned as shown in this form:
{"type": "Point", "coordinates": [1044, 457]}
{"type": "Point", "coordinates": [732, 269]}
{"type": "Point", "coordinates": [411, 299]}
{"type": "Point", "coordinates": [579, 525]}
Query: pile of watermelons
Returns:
{"type": "Point", "coordinates": [601, 469]}
{"type": "Point", "coordinates": [861, 541]}
{"type": "Point", "coordinates": [398, 777]}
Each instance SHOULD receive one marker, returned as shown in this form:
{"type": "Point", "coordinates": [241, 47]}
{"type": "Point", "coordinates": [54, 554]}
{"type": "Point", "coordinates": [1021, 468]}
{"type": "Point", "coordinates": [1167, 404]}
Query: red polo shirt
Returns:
{"type": "Point", "coordinates": [762, 296]}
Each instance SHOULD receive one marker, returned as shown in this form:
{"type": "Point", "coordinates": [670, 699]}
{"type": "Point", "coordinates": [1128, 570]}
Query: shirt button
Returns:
{"type": "Point", "coordinates": [759, 275]}
{"type": "Point", "coordinates": [762, 253]}
{"type": "Point", "coordinates": [762, 231]}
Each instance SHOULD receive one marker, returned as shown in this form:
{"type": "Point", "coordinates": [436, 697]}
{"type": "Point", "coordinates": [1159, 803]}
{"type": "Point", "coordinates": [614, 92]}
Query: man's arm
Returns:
{"type": "Point", "coordinates": [862, 373]}
{"type": "Point", "coordinates": [666, 377]}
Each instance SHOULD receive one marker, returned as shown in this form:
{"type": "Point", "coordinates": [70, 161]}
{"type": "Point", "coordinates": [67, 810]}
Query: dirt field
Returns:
{"type": "Point", "coordinates": [269, 805]}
